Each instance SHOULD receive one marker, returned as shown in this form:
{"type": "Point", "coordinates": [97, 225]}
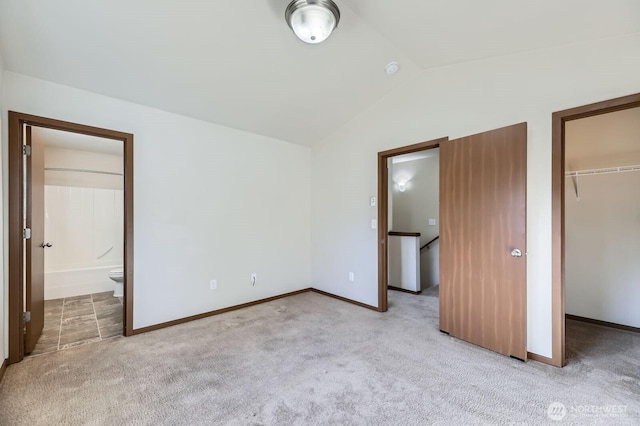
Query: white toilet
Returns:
{"type": "Point", "coordinates": [117, 275]}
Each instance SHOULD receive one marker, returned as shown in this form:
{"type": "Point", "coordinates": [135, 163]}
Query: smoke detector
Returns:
{"type": "Point", "coordinates": [392, 68]}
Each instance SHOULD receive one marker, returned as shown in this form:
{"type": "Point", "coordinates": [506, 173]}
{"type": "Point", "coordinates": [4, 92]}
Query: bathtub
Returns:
{"type": "Point", "coordinates": [76, 282]}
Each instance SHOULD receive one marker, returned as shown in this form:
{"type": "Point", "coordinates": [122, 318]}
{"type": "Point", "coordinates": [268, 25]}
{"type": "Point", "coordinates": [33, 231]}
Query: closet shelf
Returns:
{"type": "Point", "coordinates": [603, 171]}
{"type": "Point", "coordinates": [576, 175]}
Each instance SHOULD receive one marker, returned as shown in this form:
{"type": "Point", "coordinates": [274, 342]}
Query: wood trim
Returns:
{"type": "Point", "coordinates": [128, 235]}
{"type": "Point", "coordinates": [603, 323]}
{"type": "Point", "coordinates": [558, 355]}
{"type": "Point", "coordinates": [404, 234]}
{"type": "Point", "coordinates": [344, 299]}
{"type": "Point", "coordinates": [383, 213]}
{"type": "Point", "coordinates": [430, 242]}
{"type": "Point", "coordinates": [540, 358]}
{"type": "Point", "coordinates": [420, 146]}
{"type": "Point", "coordinates": [217, 312]}
{"type": "Point", "coordinates": [557, 210]}
{"type": "Point", "coordinates": [15, 243]}
{"type": "Point", "coordinates": [247, 305]}
{"type": "Point", "coordinates": [404, 290]}
{"type": "Point", "coordinates": [383, 229]}
{"type": "Point", "coordinates": [3, 368]}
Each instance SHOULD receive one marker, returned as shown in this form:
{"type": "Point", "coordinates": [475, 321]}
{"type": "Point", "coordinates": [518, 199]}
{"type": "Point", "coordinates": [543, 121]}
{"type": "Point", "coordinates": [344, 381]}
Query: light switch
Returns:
{"type": "Point", "coordinates": [432, 222]}
{"type": "Point", "coordinates": [374, 224]}
{"type": "Point", "coordinates": [372, 201]}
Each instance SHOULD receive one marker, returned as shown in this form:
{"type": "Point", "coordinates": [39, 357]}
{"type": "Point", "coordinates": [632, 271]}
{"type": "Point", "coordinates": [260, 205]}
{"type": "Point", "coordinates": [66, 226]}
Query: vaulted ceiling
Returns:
{"type": "Point", "coordinates": [238, 64]}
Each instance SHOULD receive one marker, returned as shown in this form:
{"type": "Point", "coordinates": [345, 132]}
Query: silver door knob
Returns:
{"type": "Point", "coordinates": [516, 253]}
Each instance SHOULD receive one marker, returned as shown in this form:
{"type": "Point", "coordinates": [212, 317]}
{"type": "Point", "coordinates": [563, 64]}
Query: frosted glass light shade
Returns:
{"type": "Point", "coordinates": [312, 20]}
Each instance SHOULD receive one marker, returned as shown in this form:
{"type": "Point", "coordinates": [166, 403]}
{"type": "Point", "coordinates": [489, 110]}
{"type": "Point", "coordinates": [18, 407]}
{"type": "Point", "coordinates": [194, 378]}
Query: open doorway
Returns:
{"type": "Point", "coordinates": [70, 194]}
{"type": "Point", "coordinates": [482, 243]}
{"type": "Point", "coordinates": [596, 154]}
{"type": "Point", "coordinates": [414, 222]}
{"type": "Point", "coordinates": [388, 185]}
{"type": "Point", "coordinates": [83, 239]}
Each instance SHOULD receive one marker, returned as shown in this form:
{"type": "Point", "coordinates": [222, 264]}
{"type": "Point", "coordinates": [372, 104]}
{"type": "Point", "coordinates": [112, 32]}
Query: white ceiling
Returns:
{"type": "Point", "coordinates": [238, 64]}
{"type": "Point", "coordinates": [76, 141]}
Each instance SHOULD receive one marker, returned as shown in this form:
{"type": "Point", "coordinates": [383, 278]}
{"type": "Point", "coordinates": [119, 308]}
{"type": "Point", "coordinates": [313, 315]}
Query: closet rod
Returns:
{"type": "Point", "coordinates": [604, 171]}
{"type": "Point", "coordinates": [63, 169]}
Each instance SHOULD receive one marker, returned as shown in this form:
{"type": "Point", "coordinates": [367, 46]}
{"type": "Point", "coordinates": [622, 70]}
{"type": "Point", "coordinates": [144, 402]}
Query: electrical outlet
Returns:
{"type": "Point", "coordinates": [352, 276]}
{"type": "Point", "coordinates": [213, 284]}
{"type": "Point", "coordinates": [432, 222]}
{"type": "Point", "coordinates": [254, 278]}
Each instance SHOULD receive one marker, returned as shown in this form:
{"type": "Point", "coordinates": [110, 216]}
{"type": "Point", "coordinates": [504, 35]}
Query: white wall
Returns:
{"type": "Point", "coordinates": [85, 228]}
{"type": "Point", "coordinates": [413, 208]}
{"type": "Point", "coordinates": [61, 158]}
{"type": "Point", "coordinates": [210, 202]}
{"type": "Point", "coordinates": [455, 101]}
{"type": "Point", "coordinates": [602, 248]}
{"type": "Point", "coordinates": [419, 202]}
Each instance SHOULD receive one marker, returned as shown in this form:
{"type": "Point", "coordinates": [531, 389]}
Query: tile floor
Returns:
{"type": "Point", "coordinates": [75, 321]}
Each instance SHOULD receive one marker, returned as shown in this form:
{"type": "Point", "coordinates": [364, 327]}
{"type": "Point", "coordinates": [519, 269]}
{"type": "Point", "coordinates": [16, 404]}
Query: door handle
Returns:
{"type": "Point", "coordinates": [45, 245]}
{"type": "Point", "coordinates": [516, 253]}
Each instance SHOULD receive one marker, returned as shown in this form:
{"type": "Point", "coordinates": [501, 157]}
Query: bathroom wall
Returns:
{"type": "Point", "coordinates": [83, 219]}
{"type": "Point", "coordinates": [85, 228]}
{"type": "Point", "coordinates": [77, 159]}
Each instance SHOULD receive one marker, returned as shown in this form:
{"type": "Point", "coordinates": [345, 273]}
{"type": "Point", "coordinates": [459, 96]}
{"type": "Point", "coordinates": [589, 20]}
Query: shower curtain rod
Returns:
{"type": "Point", "coordinates": [98, 172]}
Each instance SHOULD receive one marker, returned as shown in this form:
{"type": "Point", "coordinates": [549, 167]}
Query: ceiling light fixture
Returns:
{"type": "Point", "coordinates": [312, 20]}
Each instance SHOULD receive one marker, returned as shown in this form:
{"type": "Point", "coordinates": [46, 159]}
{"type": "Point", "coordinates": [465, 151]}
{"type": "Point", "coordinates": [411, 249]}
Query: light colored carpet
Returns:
{"type": "Point", "coordinates": [310, 359]}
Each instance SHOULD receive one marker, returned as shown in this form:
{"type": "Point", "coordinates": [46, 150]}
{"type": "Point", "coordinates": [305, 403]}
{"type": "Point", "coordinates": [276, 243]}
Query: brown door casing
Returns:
{"type": "Point", "coordinates": [383, 212]}
{"type": "Point", "coordinates": [482, 220]}
{"type": "Point", "coordinates": [16, 245]}
{"type": "Point", "coordinates": [35, 249]}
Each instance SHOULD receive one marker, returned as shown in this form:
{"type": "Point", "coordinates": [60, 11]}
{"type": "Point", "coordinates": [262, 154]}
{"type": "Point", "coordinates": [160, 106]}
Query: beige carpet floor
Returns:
{"type": "Point", "coordinates": [310, 359]}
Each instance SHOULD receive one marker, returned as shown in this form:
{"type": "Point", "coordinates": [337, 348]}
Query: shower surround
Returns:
{"type": "Point", "coordinates": [85, 228]}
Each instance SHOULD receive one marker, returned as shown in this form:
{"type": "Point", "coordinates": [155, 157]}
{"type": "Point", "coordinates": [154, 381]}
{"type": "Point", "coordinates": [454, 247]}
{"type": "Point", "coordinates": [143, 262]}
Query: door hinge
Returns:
{"type": "Point", "coordinates": [26, 233]}
{"type": "Point", "coordinates": [26, 316]}
{"type": "Point", "coordinates": [26, 150]}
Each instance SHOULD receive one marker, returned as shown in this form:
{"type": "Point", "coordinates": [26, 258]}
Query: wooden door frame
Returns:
{"type": "Point", "coordinates": [16, 243]}
{"type": "Point", "coordinates": [383, 212]}
{"type": "Point", "coordinates": [558, 210]}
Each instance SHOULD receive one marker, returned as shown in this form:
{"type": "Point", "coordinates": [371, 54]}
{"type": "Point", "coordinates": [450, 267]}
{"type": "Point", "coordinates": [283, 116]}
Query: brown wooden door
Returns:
{"type": "Point", "coordinates": [34, 255]}
{"type": "Point", "coordinates": [482, 220]}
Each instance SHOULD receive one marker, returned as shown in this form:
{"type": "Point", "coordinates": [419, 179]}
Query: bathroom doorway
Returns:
{"type": "Point", "coordinates": [70, 275]}
{"type": "Point", "coordinates": [83, 239]}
